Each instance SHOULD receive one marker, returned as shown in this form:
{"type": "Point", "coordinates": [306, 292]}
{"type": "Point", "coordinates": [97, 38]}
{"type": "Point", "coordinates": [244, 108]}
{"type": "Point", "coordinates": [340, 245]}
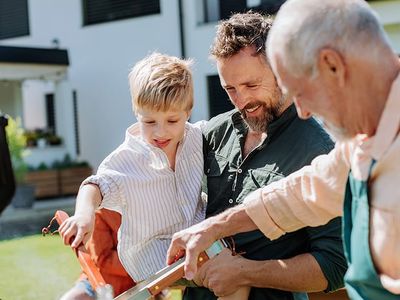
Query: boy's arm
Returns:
{"type": "Point", "coordinates": [78, 228]}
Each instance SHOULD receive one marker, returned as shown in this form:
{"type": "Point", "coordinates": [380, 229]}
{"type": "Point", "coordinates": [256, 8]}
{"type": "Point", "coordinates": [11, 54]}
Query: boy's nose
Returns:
{"type": "Point", "coordinates": [160, 131]}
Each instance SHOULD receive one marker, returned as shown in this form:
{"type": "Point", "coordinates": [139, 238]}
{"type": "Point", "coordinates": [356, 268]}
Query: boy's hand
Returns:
{"type": "Point", "coordinates": [76, 230]}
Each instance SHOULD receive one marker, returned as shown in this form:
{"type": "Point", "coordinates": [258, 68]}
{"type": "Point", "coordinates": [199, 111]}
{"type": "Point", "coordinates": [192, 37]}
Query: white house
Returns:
{"type": "Point", "coordinates": [64, 63]}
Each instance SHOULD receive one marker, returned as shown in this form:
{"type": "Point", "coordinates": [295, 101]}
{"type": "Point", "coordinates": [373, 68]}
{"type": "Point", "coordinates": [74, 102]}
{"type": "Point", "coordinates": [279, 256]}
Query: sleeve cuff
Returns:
{"type": "Point", "coordinates": [109, 190]}
{"type": "Point", "coordinates": [258, 213]}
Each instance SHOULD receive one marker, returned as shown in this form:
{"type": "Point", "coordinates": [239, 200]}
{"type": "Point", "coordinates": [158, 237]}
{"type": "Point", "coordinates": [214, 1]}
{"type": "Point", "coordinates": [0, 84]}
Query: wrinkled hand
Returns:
{"type": "Point", "coordinates": [76, 230]}
{"type": "Point", "coordinates": [221, 274]}
{"type": "Point", "coordinates": [191, 242]}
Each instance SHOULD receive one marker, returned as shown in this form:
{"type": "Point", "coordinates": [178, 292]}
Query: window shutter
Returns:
{"type": "Point", "coordinates": [100, 11]}
{"type": "Point", "coordinates": [14, 20]}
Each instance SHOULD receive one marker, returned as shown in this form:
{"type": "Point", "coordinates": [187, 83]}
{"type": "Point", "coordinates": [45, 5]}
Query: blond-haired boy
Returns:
{"type": "Point", "coordinates": [153, 179]}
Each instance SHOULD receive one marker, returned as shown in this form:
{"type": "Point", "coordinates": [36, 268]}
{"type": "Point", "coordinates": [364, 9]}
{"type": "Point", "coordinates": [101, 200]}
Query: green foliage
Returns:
{"type": "Point", "coordinates": [42, 167]}
{"type": "Point", "coordinates": [67, 162]}
{"type": "Point", "coordinates": [32, 137]}
{"type": "Point", "coordinates": [17, 144]}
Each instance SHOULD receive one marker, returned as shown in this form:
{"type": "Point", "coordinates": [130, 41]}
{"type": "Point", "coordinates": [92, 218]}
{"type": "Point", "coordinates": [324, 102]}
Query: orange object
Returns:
{"type": "Point", "coordinates": [102, 247]}
{"type": "Point", "coordinates": [86, 262]}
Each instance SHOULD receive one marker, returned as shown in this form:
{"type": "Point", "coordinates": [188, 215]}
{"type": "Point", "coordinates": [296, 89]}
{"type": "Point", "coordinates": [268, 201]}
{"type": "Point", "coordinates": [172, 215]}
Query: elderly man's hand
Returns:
{"type": "Point", "coordinates": [191, 242]}
{"type": "Point", "coordinates": [222, 274]}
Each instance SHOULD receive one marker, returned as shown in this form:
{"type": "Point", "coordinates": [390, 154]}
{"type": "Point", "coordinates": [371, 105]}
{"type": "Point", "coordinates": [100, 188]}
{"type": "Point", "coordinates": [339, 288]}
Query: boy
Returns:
{"type": "Point", "coordinates": [154, 178]}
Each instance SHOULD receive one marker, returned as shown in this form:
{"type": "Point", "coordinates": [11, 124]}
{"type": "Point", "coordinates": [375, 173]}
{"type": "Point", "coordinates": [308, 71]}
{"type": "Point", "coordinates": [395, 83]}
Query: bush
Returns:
{"type": "Point", "coordinates": [17, 144]}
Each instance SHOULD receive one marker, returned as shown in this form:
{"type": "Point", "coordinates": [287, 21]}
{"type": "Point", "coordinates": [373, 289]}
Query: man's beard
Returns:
{"type": "Point", "coordinates": [269, 114]}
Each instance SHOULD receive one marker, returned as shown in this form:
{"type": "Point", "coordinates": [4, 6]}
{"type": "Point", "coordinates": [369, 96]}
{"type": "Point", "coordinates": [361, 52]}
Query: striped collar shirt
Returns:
{"type": "Point", "coordinates": [154, 201]}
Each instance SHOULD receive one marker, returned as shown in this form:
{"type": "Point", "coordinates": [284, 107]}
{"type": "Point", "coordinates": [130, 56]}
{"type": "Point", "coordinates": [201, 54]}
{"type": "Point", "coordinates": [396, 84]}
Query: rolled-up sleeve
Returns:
{"type": "Point", "coordinates": [108, 181]}
{"type": "Point", "coordinates": [309, 197]}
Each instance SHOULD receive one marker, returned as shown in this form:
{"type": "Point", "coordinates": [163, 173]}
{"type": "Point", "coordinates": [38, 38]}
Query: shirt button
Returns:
{"type": "Point", "coordinates": [230, 201]}
{"type": "Point", "coordinates": [239, 171]}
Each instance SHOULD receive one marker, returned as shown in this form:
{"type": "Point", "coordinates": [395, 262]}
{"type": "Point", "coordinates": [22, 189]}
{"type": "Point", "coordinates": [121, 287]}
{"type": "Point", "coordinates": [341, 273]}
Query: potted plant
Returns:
{"type": "Point", "coordinates": [24, 194]}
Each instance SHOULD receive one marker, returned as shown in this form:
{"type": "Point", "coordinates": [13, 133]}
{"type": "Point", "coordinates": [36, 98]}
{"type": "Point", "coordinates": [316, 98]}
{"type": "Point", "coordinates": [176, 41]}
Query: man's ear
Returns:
{"type": "Point", "coordinates": [331, 66]}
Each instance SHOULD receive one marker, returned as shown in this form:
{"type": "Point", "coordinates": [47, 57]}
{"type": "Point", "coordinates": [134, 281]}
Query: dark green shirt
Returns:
{"type": "Point", "coordinates": [291, 144]}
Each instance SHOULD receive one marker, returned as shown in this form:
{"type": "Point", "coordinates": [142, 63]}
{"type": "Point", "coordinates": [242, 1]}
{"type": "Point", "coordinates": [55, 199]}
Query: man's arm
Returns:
{"type": "Point", "coordinates": [309, 197]}
{"type": "Point", "coordinates": [225, 274]}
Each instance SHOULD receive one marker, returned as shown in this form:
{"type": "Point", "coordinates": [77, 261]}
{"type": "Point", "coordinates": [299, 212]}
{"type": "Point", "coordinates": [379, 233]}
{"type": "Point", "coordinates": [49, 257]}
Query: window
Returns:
{"type": "Point", "coordinates": [215, 10]}
{"type": "Point", "coordinates": [101, 11]}
{"type": "Point", "coordinates": [14, 20]}
{"type": "Point", "coordinates": [218, 100]}
{"type": "Point", "coordinates": [50, 112]}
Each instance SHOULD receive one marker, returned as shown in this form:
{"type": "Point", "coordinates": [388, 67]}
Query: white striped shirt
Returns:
{"type": "Point", "coordinates": [154, 201]}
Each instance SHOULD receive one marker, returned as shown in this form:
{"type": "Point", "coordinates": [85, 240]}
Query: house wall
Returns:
{"type": "Point", "coordinates": [102, 54]}
{"type": "Point", "coordinates": [389, 15]}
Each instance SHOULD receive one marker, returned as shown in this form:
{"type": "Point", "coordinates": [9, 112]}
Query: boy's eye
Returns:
{"type": "Point", "coordinates": [149, 122]}
{"type": "Point", "coordinates": [172, 121]}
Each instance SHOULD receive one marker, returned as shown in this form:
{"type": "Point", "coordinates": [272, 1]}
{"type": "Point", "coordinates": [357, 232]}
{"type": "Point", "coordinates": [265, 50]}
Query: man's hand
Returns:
{"type": "Point", "coordinates": [76, 230]}
{"type": "Point", "coordinates": [221, 274]}
{"type": "Point", "coordinates": [191, 242]}
{"type": "Point", "coordinates": [195, 239]}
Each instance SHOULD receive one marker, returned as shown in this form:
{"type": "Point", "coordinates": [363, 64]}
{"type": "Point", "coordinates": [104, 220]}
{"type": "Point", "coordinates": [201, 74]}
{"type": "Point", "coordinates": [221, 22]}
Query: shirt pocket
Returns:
{"type": "Point", "coordinates": [215, 165]}
{"type": "Point", "coordinates": [263, 176]}
{"type": "Point", "coordinates": [217, 181]}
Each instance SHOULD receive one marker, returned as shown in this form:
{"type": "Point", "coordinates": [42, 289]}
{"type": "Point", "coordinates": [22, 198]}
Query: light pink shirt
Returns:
{"type": "Point", "coordinates": [315, 194]}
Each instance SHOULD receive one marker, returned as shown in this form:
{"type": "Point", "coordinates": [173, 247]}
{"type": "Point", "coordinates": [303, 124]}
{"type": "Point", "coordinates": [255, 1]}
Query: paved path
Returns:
{"type": "Point", "coordinates": [19, 222]}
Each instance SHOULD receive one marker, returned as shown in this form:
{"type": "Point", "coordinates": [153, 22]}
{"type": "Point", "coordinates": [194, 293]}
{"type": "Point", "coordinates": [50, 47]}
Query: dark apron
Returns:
{"type": "Point", "coordinates": [361, 279]}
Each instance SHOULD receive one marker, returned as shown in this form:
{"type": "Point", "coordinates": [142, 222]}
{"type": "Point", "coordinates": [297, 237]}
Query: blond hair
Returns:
{"type": "Point", "coordinates": [161, 82]}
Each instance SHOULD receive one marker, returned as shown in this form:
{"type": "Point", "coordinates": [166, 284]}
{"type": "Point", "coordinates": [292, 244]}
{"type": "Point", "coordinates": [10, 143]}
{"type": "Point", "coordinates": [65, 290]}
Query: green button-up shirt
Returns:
{"type": "Point", "coordinates": [291, 143]}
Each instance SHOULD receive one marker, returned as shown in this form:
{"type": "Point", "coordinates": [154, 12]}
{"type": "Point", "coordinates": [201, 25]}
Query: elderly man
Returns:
{"type": "Point", "coordinates": [261, 141]}
{"type": "Point", "coordinates": [334, 59]}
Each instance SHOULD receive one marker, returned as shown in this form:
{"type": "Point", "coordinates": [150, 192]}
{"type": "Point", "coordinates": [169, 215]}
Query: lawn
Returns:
{"type": "Point", "coordinates": [36, 267]}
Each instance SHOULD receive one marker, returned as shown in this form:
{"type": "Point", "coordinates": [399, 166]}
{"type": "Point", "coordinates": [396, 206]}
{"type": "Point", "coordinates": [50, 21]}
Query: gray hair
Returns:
{"type": "Point", "coordinates": [303, 27]}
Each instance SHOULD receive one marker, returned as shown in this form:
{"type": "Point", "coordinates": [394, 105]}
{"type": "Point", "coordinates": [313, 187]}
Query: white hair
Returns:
{"type": "Point", "coordinates": [303, 27]}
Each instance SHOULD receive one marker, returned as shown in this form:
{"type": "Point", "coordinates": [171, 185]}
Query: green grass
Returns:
{"type": "Point", "coordinates": [36, 267]}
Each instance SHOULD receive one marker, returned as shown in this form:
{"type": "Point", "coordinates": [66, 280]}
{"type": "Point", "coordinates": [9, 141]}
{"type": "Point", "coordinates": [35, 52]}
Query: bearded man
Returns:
{"type": "Point", "coordinates": [261, 141]}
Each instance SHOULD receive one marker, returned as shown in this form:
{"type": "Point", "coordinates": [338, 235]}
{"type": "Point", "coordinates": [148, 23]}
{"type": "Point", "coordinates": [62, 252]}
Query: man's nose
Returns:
{"type": "Point", "coordinates": [241, 100]}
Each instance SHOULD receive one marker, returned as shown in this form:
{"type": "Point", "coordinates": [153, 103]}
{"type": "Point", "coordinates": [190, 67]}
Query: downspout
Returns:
{"type": "Point", "coordinates": [181, 29]}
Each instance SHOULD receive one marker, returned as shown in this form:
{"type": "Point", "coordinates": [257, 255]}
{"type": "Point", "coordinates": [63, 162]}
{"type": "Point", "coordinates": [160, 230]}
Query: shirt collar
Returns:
{"type": "Point", "coordinates": [388, 127]}
{"type": "Point", "coordinates": [241, 127]}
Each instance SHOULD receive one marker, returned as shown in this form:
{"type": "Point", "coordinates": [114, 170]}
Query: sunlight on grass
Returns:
{"type": "Point", "coordinates": [36, 267]}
